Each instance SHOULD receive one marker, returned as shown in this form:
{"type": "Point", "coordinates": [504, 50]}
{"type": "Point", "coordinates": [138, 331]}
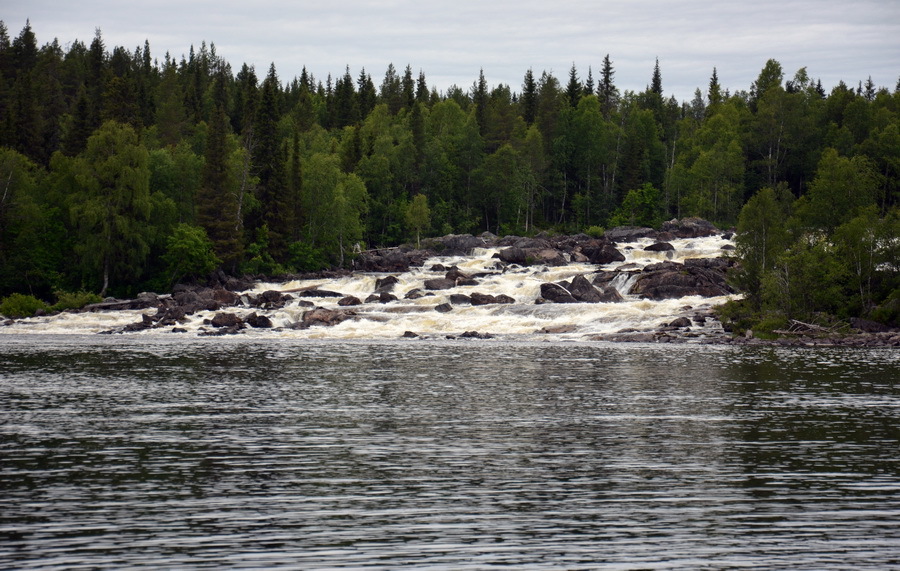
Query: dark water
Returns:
{"type": "Point", "coordinates": [117, 453]}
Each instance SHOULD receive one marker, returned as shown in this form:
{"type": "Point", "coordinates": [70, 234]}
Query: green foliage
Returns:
{"type": "Point", "coordinates": [308, 174]}
{"type": "Point", "coordinates": [806, 279]}
{"type": "Point", "coordinates": [21, 305]}
{"type": "Point", "coordinates": [303, 257]}
{"type": "Point", "coordinates": [418, 215]}
{"type": "Point", "coordinates": [595, 231]}
{"type": "Point", "coordinates": [189, 253]}
{"type": "Point", "coordinates": [74, 300]}
{"type": "Point", "coordinates": [761, 237]}
{"type": "Point", "coordinates": [641, 207]}
{"type": "Point", "coordinates": [261, 260]}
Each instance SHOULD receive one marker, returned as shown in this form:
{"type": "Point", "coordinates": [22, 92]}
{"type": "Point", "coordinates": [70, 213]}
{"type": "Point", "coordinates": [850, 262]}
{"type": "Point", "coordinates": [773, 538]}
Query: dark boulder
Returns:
{"type": "Point", "coordinates": [444, 308]}
{"type": "Point", "coordinates": [660, 247]}
{"type": "Point", "coordinates": [689, 228]}
{"type": "Point", "coordinates": [532, 256]}
{"type": "Point", "coordinates": [439, 283]}
{"type": "Point", "coordinates": [226, 320]}
{"type": "Point", "coordinates": [556, 294]}
{"type": "Point", "coordinates": [383, 297]}
{"type": "Point", "coordinates": [602, 253]}
{"type": "Point", "coordinates": [868, 326]}
{"type": "Point", "coordinates": [460, 299]}
{"type": "Point", "coordinates": [476, 335]}
{"type": "Point", "coordinates": [258, 321]}
{"type": "Point", "coordinates": [680, 323]}
{"type": "Point", "coordinates": [322, 316]}
{"type": "Point", "coordinates": [386, 284]}
{"type": "Point", "coordinates": [670, 280]}
{"type": "Point", "coordinates": [629, 233]}
{"type": "Point", "coordinates": [487, 299]}
{"type": "Point", "coordinates": [610, 294]}
{"type": "Point", "coordinates": [317, 293]}
{"type": "Point", "coordinates": [349, 300]}
{"type": "Point", "coordinates": [415, 294]}
{"type": "Point", "coordinates": [409, 335]}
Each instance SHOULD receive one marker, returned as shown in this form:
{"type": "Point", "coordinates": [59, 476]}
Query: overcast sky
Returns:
{"type": "Point", "coordinates": [451, 41]}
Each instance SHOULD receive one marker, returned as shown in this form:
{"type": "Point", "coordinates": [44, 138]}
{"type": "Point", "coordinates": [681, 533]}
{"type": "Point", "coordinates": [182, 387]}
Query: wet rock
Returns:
{"type": "Point", "coordinates": [532, 256]}
{"type": "Point", "coordinates": [258, 321]}
{"type": "Point", "coordinates": [555, 293]}
{"type": "Point", "coordinates": [603, 253]}
{"type": "Point", "coordinates": [689, 228]}
{"type": "Point", "coordinates": [226, 320]}
{"type": "Point", "coordinates": [439, 284]}
{"type": "Point", "coordinates": [660, 247]}
{"type": "Point", "coordinates": [460, 299]}
{"type": "Point", "coordinates": [486, 299]}
{"type": "Point", "coordinates": [383, 297]}
{"type": "Point", "coordinates": [444, 308]}
{"type": "Point", "coordinates": [318, 293]}
{"type": "Point", "coordinates": [349, 300]}
{"type": "Point", "coordinates": [669, 280]}
{"type": "Point", "coordinates": [179, 330]}
{"type": "Point", "coordinates": [610, 294]}
{"type": "Point", "coordinates": [558, 329]}
{"type": "Point", "coordinates": [409, 335]}
{"type": "Point", "coordinates": [476, 335]}
{"type": "Point", "coordinates": [629, 233]}
{"type": "Point", "coordinates": [582, 290]}
{"type": "Point", "coordinates": [680, 323]}
{"type": "Point", "coordinates": [327, 317]}
{"type": "Point", "coordinates": [386, 284]}
{"type": "Point", "coordinates": [415, 294]}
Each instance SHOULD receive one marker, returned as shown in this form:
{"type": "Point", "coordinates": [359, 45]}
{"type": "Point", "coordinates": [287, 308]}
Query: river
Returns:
{"type": "Point", "coordinates": [168, 451]}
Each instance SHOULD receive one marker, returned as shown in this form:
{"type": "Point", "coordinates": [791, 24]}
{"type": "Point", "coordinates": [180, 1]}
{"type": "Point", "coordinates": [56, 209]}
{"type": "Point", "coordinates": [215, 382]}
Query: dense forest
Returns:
{"type": "Point", "coordinates": [120, 172]}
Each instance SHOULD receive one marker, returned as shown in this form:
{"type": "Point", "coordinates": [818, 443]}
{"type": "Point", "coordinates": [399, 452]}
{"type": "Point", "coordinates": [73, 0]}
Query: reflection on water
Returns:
{"type": "Point", "coordinates": [456, 455]}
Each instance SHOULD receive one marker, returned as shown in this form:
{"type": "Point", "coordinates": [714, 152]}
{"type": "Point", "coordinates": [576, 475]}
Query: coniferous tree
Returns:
{"type": "Point", "coordinates": [421, 89]}
{"type": "Point", "coordinates": [367, 95]}
{"type": "Point", "coordinates": [217, 209]}
{"type": "Point", "coordinates": [269, 159]}
{"type": "Point", "coordinates": [574, 89]}
{"type": "Point", "coordinates": [715, 91]}
{"type": "Point", "coordinates": [528, 100]}
{"type": "Point", "coordinates": [480, 99]}
{"type": "Point", "coordinates": [606, 89]}
{"type": "Point", "coordinates": [408, 87]}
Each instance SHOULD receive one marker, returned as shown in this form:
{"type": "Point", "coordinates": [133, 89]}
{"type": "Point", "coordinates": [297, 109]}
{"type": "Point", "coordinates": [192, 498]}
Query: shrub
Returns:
{"type": "Point", "coordinates": [21, 305]}
{"type": "Point", "coordinates": [595, 231]}
{"type": "Point", "coordinates": [74, 300]}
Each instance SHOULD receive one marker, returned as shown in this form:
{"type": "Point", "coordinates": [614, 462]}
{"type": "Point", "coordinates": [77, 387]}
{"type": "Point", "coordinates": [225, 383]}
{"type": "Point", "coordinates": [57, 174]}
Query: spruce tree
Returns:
{"type": "Point", "coordinates": [574, 89]}
{"type": "Point", "coordinates": [606, 89]}
{"type": "Point", "coordinates": [528, 101]}
{"type": "Point", "coordinates": [269, 159]}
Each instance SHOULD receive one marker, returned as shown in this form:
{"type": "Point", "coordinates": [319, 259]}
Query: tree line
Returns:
{"type": "Point", "coordinates": [121, 172]}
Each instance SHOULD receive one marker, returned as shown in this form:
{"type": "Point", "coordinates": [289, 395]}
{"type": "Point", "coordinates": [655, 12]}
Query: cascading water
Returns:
{"type": "Point", "coordinates": [523, 318]}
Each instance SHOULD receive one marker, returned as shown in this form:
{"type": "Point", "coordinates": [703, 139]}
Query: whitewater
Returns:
{"type": "Point", "coordinates": [524, 319]}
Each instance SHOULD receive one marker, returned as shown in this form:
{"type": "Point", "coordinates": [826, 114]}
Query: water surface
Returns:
{"type": "Point", "coordinates": [208, 453]}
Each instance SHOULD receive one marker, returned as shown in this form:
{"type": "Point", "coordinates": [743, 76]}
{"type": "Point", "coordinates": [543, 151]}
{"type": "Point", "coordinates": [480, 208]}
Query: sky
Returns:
{"type": "Point", "coordinates": [450, 42]}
